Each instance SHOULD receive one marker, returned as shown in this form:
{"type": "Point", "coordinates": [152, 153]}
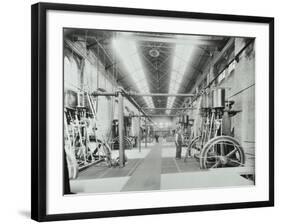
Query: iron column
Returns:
{"type": "Point", "coordinates": [121, 128]}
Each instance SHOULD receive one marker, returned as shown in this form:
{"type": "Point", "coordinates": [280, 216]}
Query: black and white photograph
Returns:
{"type": "Point", "coordinates": [142, 111]}
{"type": "Point", "coordinates": [153, 111]}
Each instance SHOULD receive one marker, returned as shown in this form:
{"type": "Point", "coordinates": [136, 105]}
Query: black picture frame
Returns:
{"type": "Point", "coordinates": [39, 108]}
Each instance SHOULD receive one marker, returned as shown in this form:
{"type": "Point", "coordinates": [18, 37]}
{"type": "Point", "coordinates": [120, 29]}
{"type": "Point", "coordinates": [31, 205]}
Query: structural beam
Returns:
{"type": "Point", "coordinates": [185, 41]}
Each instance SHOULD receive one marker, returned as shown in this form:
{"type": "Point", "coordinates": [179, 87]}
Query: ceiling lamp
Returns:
{"type": "Point", "coordinates": [154, 53]}
{"type": "Point", "coordinates": [127, 52]}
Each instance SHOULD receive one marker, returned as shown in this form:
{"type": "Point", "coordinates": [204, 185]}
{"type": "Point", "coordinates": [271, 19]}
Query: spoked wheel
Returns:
{"type": "Point", "coordinates": [193, 147]}
{"type": "Point", "coordinates": [222, 151]}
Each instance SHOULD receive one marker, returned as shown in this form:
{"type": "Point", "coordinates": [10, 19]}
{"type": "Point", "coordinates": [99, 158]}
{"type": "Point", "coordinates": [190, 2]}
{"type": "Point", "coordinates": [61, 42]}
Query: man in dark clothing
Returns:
{"type": "Point", "coordinates": [178, 141]}
{"type": "Point", "coordinates": [156, 138]}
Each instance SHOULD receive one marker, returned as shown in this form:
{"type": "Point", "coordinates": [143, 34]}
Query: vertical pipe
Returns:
{"type": "Point", "coordinates": [98, 72]}
{"type": "Point", "coordinates": [121, 128]}
{"type": "Point", "coordinates": [139, 137]}
{"type": "Point", "coordinates": [82, 66]}
{"type": "Point", "coordinates": [146, 130]}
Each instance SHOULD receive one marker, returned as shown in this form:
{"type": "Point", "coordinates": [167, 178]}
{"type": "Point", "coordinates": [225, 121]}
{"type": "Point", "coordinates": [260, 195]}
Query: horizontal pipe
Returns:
{"type": "Point", "coordinates": [103, 94]}
{"type": "Point", "coordinates": [154, 115]}
{"type": "Point", "coordinates": [164, 108]}
{"type": "Point", "coordinates": [125, 94]}
{"type": "Point", "coordinates": [128, 96]}
{"type": "Point", "coordinates": [161, 94]}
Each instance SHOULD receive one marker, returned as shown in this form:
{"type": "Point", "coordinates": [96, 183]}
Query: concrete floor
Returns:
{"type": "Point", "coordinates": [154, 168]}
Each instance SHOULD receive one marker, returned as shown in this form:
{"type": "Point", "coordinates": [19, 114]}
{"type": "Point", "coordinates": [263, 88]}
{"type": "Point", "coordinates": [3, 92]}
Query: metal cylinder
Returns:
{"type": "Point", "coordinates": [182, 119]}
{"type": "Point", "coordinates": [206, 101]}
{"type": "Point", "coordinates": [70, 98]}
{"type": "Point", "coordinates": [80, 99]}
{"type": "Point", "coordinates": [218, 98]}
{"type": "Point", "coordinates": [209, 100]}
{"type": "Point", "coordinates": [185, 119]}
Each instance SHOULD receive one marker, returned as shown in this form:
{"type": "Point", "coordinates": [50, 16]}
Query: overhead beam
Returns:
{"type": "Point", "coordinates": [191, 41]}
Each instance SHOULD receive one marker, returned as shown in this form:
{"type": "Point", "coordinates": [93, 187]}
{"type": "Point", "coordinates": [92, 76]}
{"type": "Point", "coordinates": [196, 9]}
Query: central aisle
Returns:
{"type": "Point", "coordinates": [155, 168]}
{"type": "Point", "coordinates": [148, 174]}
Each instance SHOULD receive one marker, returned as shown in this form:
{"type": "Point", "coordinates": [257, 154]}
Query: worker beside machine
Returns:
{"type": "Point", "coordinates": [178, 142]}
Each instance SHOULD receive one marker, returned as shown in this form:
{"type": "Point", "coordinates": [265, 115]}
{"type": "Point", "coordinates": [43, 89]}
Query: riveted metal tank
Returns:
{"type": "Point", "coordinates": [206, 101]}
{"type": "Point", "coordinates": [218, 98]}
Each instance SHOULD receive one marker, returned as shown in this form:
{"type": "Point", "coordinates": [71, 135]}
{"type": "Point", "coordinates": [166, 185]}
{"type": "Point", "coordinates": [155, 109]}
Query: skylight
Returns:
{"type": "Point", "coordinates": [181, 60]}
{"type": "Point", "coordinates": [127, 52]}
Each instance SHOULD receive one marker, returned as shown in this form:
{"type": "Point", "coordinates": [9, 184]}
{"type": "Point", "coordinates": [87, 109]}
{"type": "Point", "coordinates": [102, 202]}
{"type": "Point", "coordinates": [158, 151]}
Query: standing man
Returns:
{"type": "Point", "coordinates": [156, 138]}
{"type": "Point", "coordinates": [178, 141]}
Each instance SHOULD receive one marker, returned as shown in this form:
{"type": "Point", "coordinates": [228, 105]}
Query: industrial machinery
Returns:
{"type": "Point", "coordinates": [128, 140]}
{"type": "Point", "coordinates": [82, 145]}
{"type": "Point", "coordinates": [215, 146]}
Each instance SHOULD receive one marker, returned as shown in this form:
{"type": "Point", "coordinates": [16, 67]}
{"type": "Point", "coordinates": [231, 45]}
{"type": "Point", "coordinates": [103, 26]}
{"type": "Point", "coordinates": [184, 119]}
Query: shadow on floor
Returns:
{"type": "Point", "coordinates": [24, 213]}
{"type": "Point", "coordinates": [102, 171]}
{"type": "Point", "coordinates": [171, 165]}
